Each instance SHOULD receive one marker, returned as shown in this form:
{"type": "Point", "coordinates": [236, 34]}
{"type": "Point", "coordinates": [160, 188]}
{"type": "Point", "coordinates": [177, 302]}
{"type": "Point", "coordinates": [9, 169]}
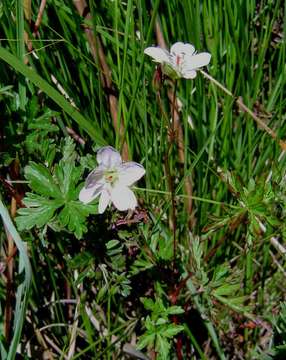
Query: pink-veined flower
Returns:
{"type": "Point", "coordinates": [181, 61]}
{"type": "Point", "coordinates": [111, 181]}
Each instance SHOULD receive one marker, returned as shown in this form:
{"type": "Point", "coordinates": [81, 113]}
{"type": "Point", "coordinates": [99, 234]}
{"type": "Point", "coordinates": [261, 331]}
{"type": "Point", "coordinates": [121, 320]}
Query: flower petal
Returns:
{"type": "Point", "coordinates": [197, 61]}
{"type": "Point", "coordinates": [180, 48]}
{"type": "Point", "coordinates": [86, 195]}
{"type": "Point", "coordinates": [189, 74]}
{"type": "Point", "coordinates": [103, 201]}
{"type": "Point", "coordinates": [158, 54]}
{"type": "Point", "coordinates": [108, 157]}
{"type": "Point", "coordinates": [94, 177]}
{"type": "Point", "coordinates": [123, 198]}
{"type": "Point", "coordinates": [130, 172]}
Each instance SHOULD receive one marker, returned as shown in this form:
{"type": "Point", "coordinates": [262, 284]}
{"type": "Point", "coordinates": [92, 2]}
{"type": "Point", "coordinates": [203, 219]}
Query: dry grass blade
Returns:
{"type": "Point", "coordinates": [99, 56]}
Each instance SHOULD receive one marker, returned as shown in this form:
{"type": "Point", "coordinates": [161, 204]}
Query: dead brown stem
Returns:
{"type": "Point", "coordinates": [9, 278]}
{"type": "Point", "coordinates": [99, 56]}
{"type": "Point", "coordinates": [75, 136]}
{"type": "Point", "coordinates": [40, 15]}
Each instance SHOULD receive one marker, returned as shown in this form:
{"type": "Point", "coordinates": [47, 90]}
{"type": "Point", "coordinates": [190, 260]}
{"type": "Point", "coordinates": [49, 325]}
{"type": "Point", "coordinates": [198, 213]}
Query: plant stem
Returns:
{"type": "Point", "coordinates": [171, 182]}
{"type": "Point", "coordinates": [10, 270]}
{"type": "Point", "coordinates": [109, 323]}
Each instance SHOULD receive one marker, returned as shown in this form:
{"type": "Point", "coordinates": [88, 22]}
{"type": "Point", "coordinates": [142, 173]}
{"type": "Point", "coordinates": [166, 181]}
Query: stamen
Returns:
{"type": "Point", "coordinates": [110, 176]}
{"type": "Point", "coordinates": [178, 60]}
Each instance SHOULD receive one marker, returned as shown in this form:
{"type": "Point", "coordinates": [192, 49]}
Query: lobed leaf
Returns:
{"type": "Point", "coordinates": [41, 181]}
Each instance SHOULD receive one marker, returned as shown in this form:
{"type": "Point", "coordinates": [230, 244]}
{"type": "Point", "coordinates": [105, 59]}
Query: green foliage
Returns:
{"type": "Point", "coordinates": [229, 227]}
{"type": "Point", "coordinates": [159, 328]}
{"type": "Point", "coordinates": [23, 289]}
{"type": "Point", "coordinates": [158, 244]}
{"type": "Point", "coordinates": [41, 135]}
{"type": "Point", "coordinates": [114, 252]}
{"type": "Point", "coordinates": [279, 323]}
{"type": "Point", "coordinates": [114, 284]}
{"type": "Point", "coordinates": [225, 287]}
{"type": "Point", "coordinates": [55, 201]}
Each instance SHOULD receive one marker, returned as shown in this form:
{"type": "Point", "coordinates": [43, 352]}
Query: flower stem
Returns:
{"type": "Point", "coordinates": [163, 112]}
{"type": "Point", "coordinates": [168, 170]}
{"type": "Point", "coordinates": [171, 180]}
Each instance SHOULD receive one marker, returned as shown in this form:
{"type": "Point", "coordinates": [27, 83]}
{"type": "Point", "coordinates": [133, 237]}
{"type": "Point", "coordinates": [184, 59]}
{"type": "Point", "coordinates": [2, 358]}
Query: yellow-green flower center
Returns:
{"type": "Point", "coordinates": [111, 176]}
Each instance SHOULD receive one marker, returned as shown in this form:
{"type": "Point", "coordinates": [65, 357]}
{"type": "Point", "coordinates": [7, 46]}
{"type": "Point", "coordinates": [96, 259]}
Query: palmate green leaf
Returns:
{"type": "Point", "coordinates": [162, 347]}
{"type": "Point", "coordinates": [39, 211]}
{"type": "Point", "coordinates": [55, 201]}
{"type": "Point", "coordinates": [41, 180]}
{"type": "Point", "coordinates": [68, 176]}
{"type": "Point", "coordinates": [145, 340]}
{"type": "Point", "coordinates": [175, 310]}
{"type": "Point", "coordinates": [159, 328]}
{"type": "Point", "coordinates": [34, 200]}
{"type": "Point", "coordinates": [38, 216]}
{"type": "Point", "coordinates": [158, 308]}
{"type": "Point", "coordinates": [172, 330]}
{"type": "Point", "coordinates": [73, 216]}
{"type": "Point", "coordinates": [148, 303]}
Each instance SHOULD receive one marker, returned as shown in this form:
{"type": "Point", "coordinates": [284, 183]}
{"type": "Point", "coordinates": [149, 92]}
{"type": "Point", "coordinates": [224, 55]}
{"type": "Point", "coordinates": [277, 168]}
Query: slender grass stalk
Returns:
{"type": "Point", "coordinates": [86, 125]}
{"type": "Point", "coordinates": [195, 343]}
{"type": "Point", "coordinates": [140, 70]}
{"type": "Point", "coordinates": [10, 275]}
{"type": "Point", "coordinates": [22, 295]}
{"type": "Point", "coordinates": [109, 324]}
{"type": "Point", "coordinates": [21, 50]}
{"type": "Point", "coordinates": [240, 103]}
{"type": "Point", "coordinates": [171, 181]}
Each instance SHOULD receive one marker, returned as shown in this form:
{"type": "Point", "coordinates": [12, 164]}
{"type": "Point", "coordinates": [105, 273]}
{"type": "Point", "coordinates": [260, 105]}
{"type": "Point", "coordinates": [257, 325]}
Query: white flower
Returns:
{"type": "Point", "coordinates": [111, 180]}
{"type": "Point", "coordinates": [181, 61]}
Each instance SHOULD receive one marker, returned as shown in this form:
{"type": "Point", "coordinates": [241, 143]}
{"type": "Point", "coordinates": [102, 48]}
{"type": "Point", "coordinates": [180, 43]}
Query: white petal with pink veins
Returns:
{"type": "Point", "coordinates": [158, 54]}
{"type": "Point", "coordinates": [179, 48]}
{"type": "Point", "coordinates": [103, 201]}
{"type": "Point", "coordinates": [181, 62]}
{"type": "Point", "coordinates": [110, 180]}
{"type": "Point", "coordinates": [86, 195]}
{"type": "Point", "coordinates": [108, 157]}
{"type": "Point", "coordinates": [123, 198]}
{"type": "Point", "coordinates": [189, 74]}
{"type": "Point", "coordinates": [129, 173]}
{"type": "Point", "coordinates": [197, 61]}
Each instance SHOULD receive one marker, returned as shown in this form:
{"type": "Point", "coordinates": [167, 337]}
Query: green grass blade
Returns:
{"type": "Point", "coordinates": [52, 93]}
{"type": "Point", "coordinates": [21, 49]}
{"type": "Point", "coordinates": [22, 294]}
